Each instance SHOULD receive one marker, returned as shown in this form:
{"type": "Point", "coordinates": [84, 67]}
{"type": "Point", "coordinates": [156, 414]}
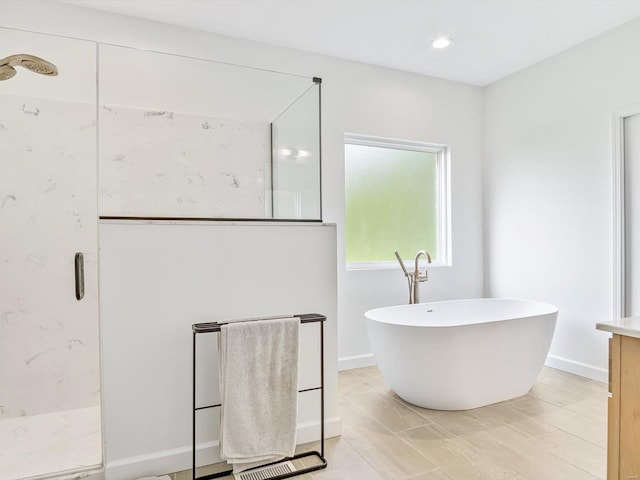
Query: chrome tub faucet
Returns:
{"type": "Point", "coordinates": [415, 278]}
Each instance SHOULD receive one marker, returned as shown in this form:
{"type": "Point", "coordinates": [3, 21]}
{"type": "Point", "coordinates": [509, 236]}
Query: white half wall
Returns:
{"type": "Point", "coordinates": [548, 188]}
{"type": "Point", "coordinates": [156, 280]}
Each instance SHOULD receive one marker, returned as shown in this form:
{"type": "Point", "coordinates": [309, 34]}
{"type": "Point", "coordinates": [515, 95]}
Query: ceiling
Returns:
{"type": "Point", "coordinates": [491, 38]}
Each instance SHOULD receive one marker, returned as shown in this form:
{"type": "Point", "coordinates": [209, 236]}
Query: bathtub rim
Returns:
{"type": "Point", "coordinates": [548, 309]}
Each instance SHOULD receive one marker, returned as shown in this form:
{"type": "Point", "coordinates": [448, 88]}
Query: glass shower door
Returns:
{"type": "Point", "coordinates": [49, 348]}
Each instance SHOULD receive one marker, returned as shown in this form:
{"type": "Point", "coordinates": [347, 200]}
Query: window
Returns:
{"type": "Point", "coordinates": [396, 198]}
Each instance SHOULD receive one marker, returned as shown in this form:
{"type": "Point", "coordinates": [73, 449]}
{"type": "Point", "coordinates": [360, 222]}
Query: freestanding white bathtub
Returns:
{"type": "Point", "coordinates": [461, 354]}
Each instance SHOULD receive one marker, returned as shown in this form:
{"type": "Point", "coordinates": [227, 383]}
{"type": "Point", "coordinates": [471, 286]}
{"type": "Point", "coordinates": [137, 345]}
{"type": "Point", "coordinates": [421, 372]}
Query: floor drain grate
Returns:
{"type": "Point", "coordinates": [266, 472]}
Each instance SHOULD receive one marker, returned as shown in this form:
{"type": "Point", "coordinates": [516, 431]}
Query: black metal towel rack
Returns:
{"type": "Point", "coordinates": [213, 327]}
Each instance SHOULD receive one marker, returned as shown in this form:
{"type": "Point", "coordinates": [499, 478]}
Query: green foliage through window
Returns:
{"type": "Point", "coordinates": [391, 199]}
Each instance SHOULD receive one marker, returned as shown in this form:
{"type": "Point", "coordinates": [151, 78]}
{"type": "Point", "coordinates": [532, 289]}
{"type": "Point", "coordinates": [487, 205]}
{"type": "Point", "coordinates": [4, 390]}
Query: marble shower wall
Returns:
{"type": "Point", "coordinates": [49, 351]}
{"type": "Point", "coordinates": [170, 164]}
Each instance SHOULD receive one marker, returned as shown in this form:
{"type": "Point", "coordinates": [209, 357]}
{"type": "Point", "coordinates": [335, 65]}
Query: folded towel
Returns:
{"type": "Point", "coordinates": [258, 391]}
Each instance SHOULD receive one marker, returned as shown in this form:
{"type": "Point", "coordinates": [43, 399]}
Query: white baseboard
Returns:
{"type": "Point", "coordinates": [178, 459]}
{"type": "Point", "coordinates": [92, 473]}
{"type": "Point", "coordinates": [358, 361]}
{"type": "Point", "coordinates": [578, 368]}
{"type": "Point", "coordinates": [310, 431]}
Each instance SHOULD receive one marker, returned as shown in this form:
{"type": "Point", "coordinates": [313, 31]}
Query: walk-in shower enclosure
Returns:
{"type": "Point", "coordinates": [119, 133]}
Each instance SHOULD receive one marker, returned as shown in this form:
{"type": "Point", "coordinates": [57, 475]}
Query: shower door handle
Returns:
{"type": "Point", "coordinates": [79, 275]}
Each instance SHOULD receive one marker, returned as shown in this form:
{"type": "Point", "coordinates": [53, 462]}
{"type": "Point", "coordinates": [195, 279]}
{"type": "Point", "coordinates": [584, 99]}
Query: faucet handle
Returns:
{"type": "Point", "coordinates": [404, 269]}
{"type": "Point", "coordinates": [418, 275]}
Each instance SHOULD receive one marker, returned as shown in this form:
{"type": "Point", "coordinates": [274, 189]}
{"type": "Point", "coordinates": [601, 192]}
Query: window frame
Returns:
{"type": "Point", "coordinates": [443, 207]}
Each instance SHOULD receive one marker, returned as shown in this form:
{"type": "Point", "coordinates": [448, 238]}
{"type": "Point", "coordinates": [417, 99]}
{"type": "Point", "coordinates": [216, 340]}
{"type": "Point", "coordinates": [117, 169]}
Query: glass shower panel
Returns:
{"type": "Point", "coordinates": [49, 357]}
{"type": "Point", "coordinates": [296, 159]}
{"type": "Point", "coordinates": [188, 138]}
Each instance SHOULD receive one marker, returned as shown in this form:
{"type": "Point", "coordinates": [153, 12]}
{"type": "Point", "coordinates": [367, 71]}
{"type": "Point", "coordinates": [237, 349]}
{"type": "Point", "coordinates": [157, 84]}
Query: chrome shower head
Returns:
{"type": "Point", "coordinates": [30, 62]}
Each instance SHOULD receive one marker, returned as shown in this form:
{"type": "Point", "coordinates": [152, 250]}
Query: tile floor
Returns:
{"type": "Point", "coordinates": [555, 432]}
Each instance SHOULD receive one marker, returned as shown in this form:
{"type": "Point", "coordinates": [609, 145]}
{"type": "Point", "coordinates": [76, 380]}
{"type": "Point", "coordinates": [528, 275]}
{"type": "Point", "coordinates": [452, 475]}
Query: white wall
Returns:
{"type": "Point", "coordinates": [548, 187]}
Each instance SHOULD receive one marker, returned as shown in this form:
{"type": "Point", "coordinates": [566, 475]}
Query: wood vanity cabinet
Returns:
{"type": "Point", "coordinates": [623, 455]}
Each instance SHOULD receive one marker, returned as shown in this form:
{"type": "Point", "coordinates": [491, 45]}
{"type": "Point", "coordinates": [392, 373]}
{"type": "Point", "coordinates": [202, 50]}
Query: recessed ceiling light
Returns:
{"type": "Point", "coordinates": [441, 42]}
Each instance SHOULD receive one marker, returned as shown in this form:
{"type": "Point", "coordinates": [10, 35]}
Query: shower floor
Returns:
{"type": "Point", "coordinates": [53, 442]}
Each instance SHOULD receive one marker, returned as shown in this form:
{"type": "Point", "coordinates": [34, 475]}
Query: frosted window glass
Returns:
{"type": "Point", "coordinates": [391, 203]}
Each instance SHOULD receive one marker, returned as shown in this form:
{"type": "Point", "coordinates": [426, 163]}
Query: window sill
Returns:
{"type": "Point", "coordinates": [391, 265]}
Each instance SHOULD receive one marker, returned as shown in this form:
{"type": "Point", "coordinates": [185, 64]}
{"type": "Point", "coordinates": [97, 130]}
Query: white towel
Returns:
{"type": "Point", "coordinates": [258, 391]}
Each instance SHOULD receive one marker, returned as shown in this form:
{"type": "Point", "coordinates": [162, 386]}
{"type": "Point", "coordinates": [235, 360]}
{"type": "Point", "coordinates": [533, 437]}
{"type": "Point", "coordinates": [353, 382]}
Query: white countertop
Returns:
{"type": "Point", "coordinates": [624, 326]}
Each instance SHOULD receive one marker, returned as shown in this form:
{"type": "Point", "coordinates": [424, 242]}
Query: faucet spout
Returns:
{"type": "Point", "coordinates": [418, 255]}
{"type": "Point", "coordinates": [417, 278]}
